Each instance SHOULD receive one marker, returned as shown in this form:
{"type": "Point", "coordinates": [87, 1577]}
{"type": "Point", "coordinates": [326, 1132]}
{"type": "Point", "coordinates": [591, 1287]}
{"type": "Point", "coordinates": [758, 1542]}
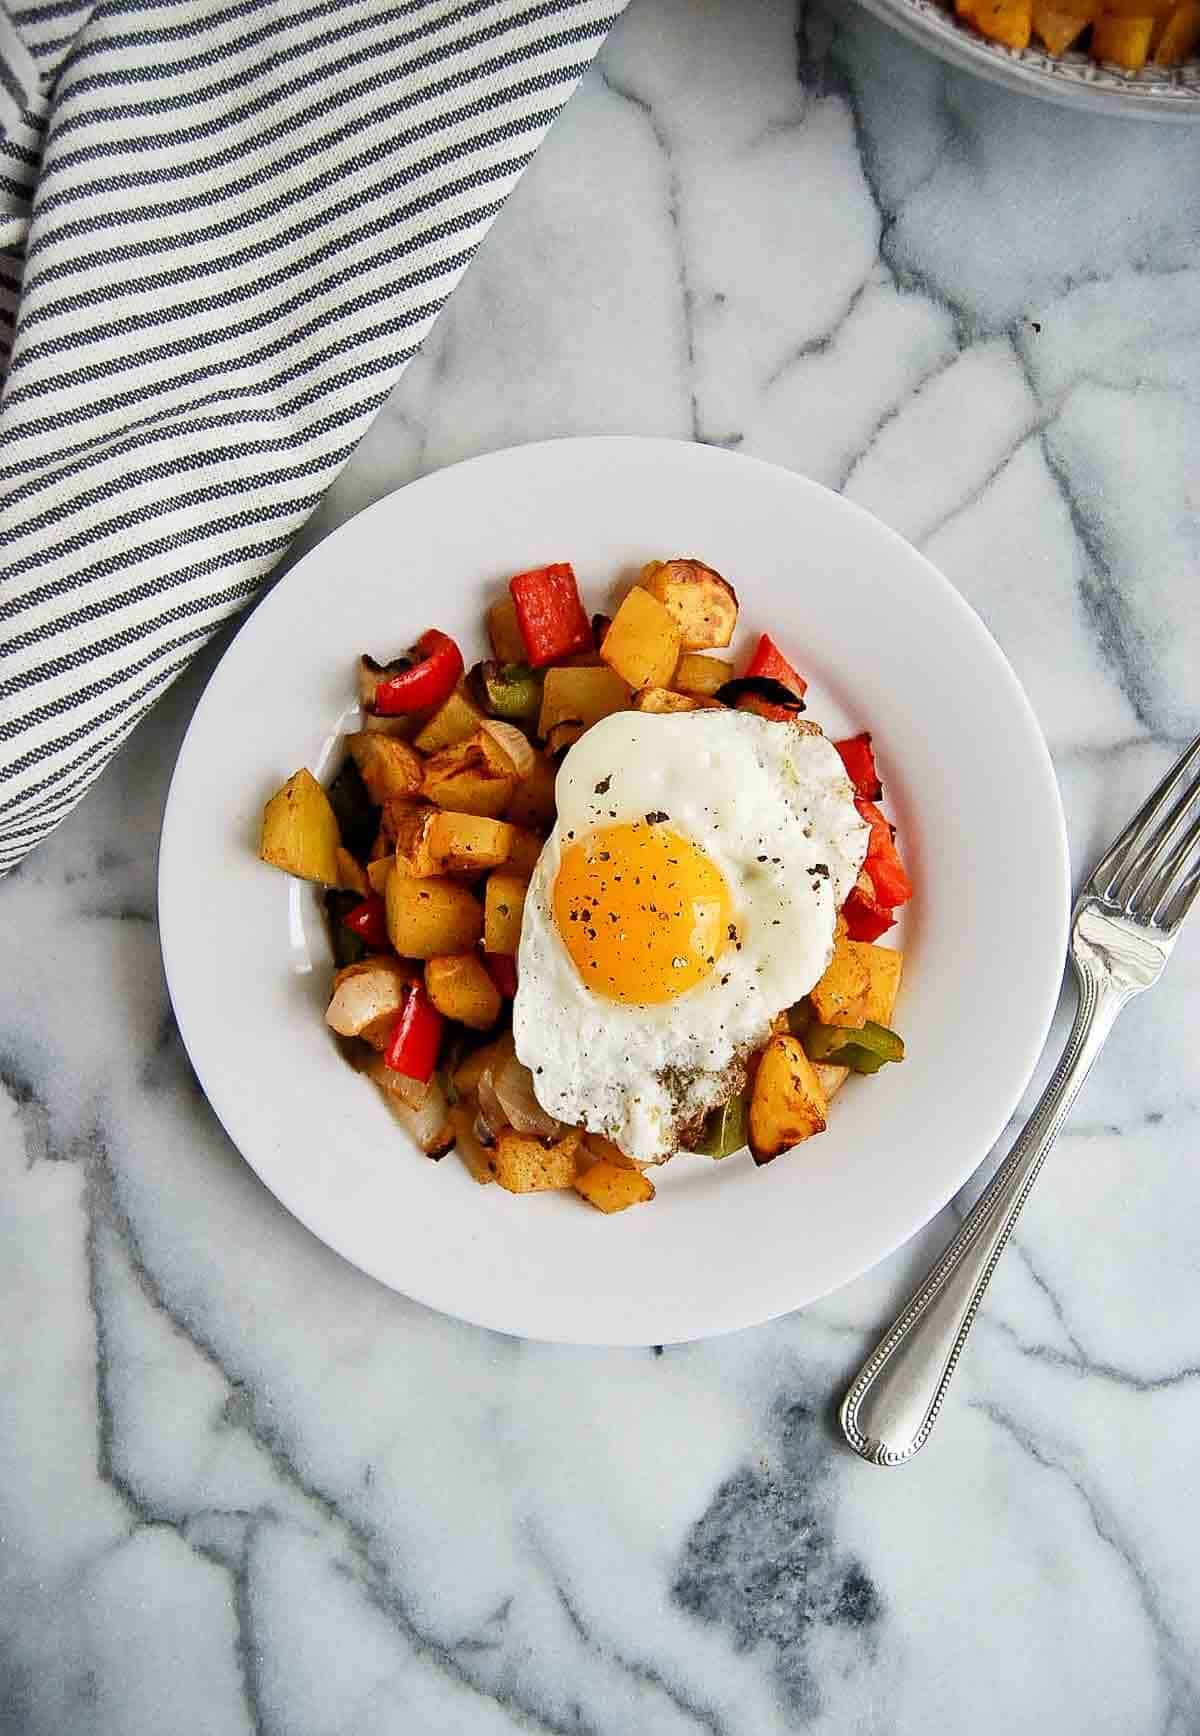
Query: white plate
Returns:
{"type": "Point", "coordinates": [888, 645]}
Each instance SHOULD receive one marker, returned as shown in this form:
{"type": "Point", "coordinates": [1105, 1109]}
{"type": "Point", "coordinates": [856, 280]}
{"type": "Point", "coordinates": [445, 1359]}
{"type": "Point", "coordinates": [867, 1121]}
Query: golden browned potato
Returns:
{"type": "Point", "coordinates": [524, 1165]}
{"type": "Point", "coordinates": [507, 644]}
{"type": "Point", "coordinates": [702, 675]}
{"type": "Point", "coordinates": [523, 851]}
{"type": "Point", "coordinates": [642, 644]}
{"type": "Point", "coordinates": [477, 1157]}
{"type": "Point", "coordinates": [300, 831]}
{"type": "Point", "coordinates": [469, 1072]}
{"type": "Point", "coordinates": [612, 1187]}
{"type": "Point", "coordinates": [1124, 41]}
{"type": "Point", "coordinates": [431, 916]}
{"type": "Point", "coordinates": [563, 735]}
{"type": "Point", "coordinates": [580, 695]}
{"type": "Point", "coordinates": [351, 876]}
{"type": "Point", "coordinates": [413, 852]}
{"type": "Point", "coordinates": [1180, 35]}
{"type": "Point", "coordinates": [454, 720]}
{"type": "Point", "coordinates": [503, 908]}
{"type": "Point", "coordinates": [460, 987]}
{"type": "Point", "coordinates": [787, 1103]}
{"type": "Point", "coordinates": [703, 606]}
{"type": "Point", "coordinates": [884, 966]}
{"type": "Point", "coordinates": [389, 767]}
{"type": "Point", "coordinates": [472, 777]}
{"type": "Point", "coordinates": [599, 1147]}
{"type": "Point", "coordinates": [533, 800]}
{"type": "Point", "coordinates": [664, 699]}
{"type": "Point", "coordinates": [446, 843]}
{"type": "Point", "coordinates": [840, 998]}
{"type": "Point", "coordinates": [379, 872]}
{"type": "Point", "coordinates": [1007, 21]}
{"type": "Point", "coordinates": [1054, 27]}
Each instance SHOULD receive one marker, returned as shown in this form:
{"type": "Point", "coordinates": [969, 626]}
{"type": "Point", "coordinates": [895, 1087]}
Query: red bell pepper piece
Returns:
{"type": "Point", "coordinates": [767, 708]}
{"type": "Point", "coordinates": [858, 757]}
{"type": "Point", "coordinates": [551, 617]}
{"type": "Point", "coordinates": [770, 661]}
{"type": "Point", "coordinates": [502, 968]}
{"type": "Point", "coordinates": [369, 921]}
{"type": "Point", "coordinates": [883, 864]}
{"type": "Point", "coordinates": [416, 1037]}
{"type": "Point", "coordinates": [866, 918]}
{"type": "Point", "coordinates": [433, 676]}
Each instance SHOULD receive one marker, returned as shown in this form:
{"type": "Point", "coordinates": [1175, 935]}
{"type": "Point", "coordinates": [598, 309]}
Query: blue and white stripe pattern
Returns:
{"type": "Point", "coordinates": [225, 226]}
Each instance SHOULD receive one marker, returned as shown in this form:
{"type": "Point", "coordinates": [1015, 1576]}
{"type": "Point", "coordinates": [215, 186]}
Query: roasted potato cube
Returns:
{"type": "Point", "coordinates": [503, 908]}
{"type": "Point", "coordinates": [1180, 35]}
{"type": "Point", "coordinates": [642, 644]}
{"type": "Point", "coordinates": [477, 1157]}
{"type": "Point", "coordinates": [523, 851]}
{"type": "Point", "coordinates": [884, 967]}
{"type": "Point", "coordinates": [431, 916]}
{"type": "Point", "coordinates": [468, 1073]}
{"type": "Point", "coordinates": [702, 675]}
{"type": "Point", "coordinates": [580, 695]}
{"type": "Point", "coordinates": [601, 1148]}
{"type": "Point", "coordinates": [533, 800]}
{"type": "Point", "coordinates": [703, 606]}
{"type": "Point", "coordinates": [830, 1078]}
{"type": "Point", "coordinates": [527, 1166]}
{"type": "Point", "coordinates": [472, 777]}
{"type": "Point", "coordinates": [351, 874]}
{"type": "Point", "coordinates": [366, 998]}
{"type": "Point", "coordinates": [787, 1103]}
{"type": "Point", "coordinates": [564, 735]}
{"type": "Point", "coordinates": [508, 646]}
{"type": "Point", "coordinates": [840, 998]}
{"type": "Point", "coordinates": [300, 831]}
{"type": "Point", "coordinates": [413, 852]}
{"type": "Point", "coordinates": [665, 699]}
{"type": "Point", "coordinates": [389, 767]}
{"type": "Point", "coordinates": [460, 987]}
{"type": "Point", "coordinates": [611, 1188]}
{"type": "Point", "coordinates": [1057, 28]}
{"type": "Point", "coordinates": [379, 872]}
{"type": "Point", "coordinates": [469, 843]}
{"type": "Point", "coordinates": [1007, 21]}
{"type": "Point", "coordinates": [454, 720]}
{"type": "Point", "coordinates": [1124, 41]}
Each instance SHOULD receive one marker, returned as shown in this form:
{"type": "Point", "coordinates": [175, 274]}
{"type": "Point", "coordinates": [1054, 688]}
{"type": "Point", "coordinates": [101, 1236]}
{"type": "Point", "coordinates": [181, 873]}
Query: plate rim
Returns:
{"type": "Point", "coordinates": [732, 1318]}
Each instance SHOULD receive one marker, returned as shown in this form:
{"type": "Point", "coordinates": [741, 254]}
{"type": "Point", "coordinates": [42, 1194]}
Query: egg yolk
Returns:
{"type": "Point", "coordinates": [644, 914]}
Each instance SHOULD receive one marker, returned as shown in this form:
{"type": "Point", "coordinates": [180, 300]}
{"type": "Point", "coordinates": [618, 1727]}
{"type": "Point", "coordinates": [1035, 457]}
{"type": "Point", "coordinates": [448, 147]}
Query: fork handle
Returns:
{"type": "Point", "coordinates": [889, 1411]}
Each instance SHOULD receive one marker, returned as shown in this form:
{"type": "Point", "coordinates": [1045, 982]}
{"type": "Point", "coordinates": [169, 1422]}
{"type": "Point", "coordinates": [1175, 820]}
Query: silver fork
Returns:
{"type": "Point", "coordinates": [1125, 923]}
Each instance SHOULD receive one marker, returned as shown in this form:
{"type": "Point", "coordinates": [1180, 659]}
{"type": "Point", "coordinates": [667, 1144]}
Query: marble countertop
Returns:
{"type": "Point", "coordinates": [244, 1489]}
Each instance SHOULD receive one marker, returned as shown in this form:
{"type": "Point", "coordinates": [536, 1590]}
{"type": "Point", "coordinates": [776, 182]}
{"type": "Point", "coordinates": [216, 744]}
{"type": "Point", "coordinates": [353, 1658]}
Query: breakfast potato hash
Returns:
{"type": "Point", "coordinates": [603, 897]}
{"type": "Point", "coordinates": [1127, 33]}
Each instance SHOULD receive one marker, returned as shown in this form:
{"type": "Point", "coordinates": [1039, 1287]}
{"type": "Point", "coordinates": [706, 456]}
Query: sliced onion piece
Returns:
{"type": "Point", "coordinates": [513, 1089]}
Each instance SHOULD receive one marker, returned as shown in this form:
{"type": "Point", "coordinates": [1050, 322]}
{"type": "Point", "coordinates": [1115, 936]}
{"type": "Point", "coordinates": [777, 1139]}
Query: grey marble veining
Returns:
{"type": "Point", "coordinates": [244, 1489]}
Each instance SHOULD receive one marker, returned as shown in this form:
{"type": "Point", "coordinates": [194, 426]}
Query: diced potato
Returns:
{"type": "Point", "coordinates": [642, 644]}
{"type": "Point", "coordinates": [527, 1166]}
{"type": "Point", "coordinates": [477, 1157]}
{"type": "Point", "coordinates": [468, 1073]}
{"type": "Point", "coordinates": [884, 967]}
{"type": "Point", "coordinates": [379, 872]}
{"type": "Point", "coordinates": [351, 877]}
{"type": "Point", "coordinates": [389, 767]}
{"type": "Point", "coordinates": [1057, 28]}
{"type": "Point", "coordinates": [454, 720]}
{"type": "Point", "coordinates": [1007, 21]}
{"type": "Point", "coordinates": [830, 1078]}
{"type": "Point", "coordinates": [396, 812]}
{"type": "Point", "coordinates": [840, 998]}
{"type": "Point", "coordinates": [413, 853]}
{"type": "Point", "coordinates": [300, 831]}
{"type": "Point", "coordinates": [665, 699]}
{"type": "Point", "coordinates": [431, 916]}
{"type": "Point", "coordinates": [563, 735]}
{"type": "Point", "coordinates": [1180, 36]}
{"type": "Point", "coordinates": [523, 851]}
{"type": "Point", "coordinates": [611, 1188]}
{"type": "Point", "coordinates": [472, 777]}
{"type": "Point", "coordinates": [507, 644]}
{"type": "Point", "coordinates": [601, 1148]}
{"type": "Point", "coordinates": [469, 843]}
{"type": "Point", "coordinates": [702, 675]}
{"type": "Point", "coordinates": [701, 603]}
{"type": "Point", "coordinates": [366, 998]}
{"type": "Point", "coordinates": [1123, 41]}
{"type": "Point", "coordinates": [503, 908]}
{"type": "Point", "coordinates": [787, 1103]}
{"type": "Point", "coordinates": [580, 695]}
{"type": "Point", "coordinates": [533, 800]}
{"type": "Point", "coordinates": [460, 987]}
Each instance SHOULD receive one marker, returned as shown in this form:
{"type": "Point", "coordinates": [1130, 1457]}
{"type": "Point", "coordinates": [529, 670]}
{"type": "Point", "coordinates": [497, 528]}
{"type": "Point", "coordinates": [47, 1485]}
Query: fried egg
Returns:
{"type": "Point", "coordinates": [687, 894]}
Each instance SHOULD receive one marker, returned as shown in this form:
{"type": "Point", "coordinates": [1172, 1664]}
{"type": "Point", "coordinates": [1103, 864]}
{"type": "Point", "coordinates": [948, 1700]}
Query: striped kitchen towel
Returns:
{"type": "Point", "coordinates": [225, 227]}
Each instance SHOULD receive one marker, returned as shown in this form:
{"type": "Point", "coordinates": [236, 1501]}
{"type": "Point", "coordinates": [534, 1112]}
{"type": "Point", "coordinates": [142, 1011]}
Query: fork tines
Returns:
{"type": "Point", "coordinates": [1152, 872]}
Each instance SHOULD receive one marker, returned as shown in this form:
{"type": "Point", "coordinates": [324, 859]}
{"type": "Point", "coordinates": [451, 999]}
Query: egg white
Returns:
{"type": "Point", "coordinates": [774, 810]}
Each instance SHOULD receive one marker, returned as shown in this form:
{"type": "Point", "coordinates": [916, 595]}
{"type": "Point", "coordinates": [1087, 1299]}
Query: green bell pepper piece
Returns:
{"type": "Point", "coordinates": [511, 690]}
{"type": "Point", "coordinates": [348, 947]}
{"type": "Point", "coordinates": [726, 1129]}
{"type": "Point", "coordinates": [863, 1051]}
